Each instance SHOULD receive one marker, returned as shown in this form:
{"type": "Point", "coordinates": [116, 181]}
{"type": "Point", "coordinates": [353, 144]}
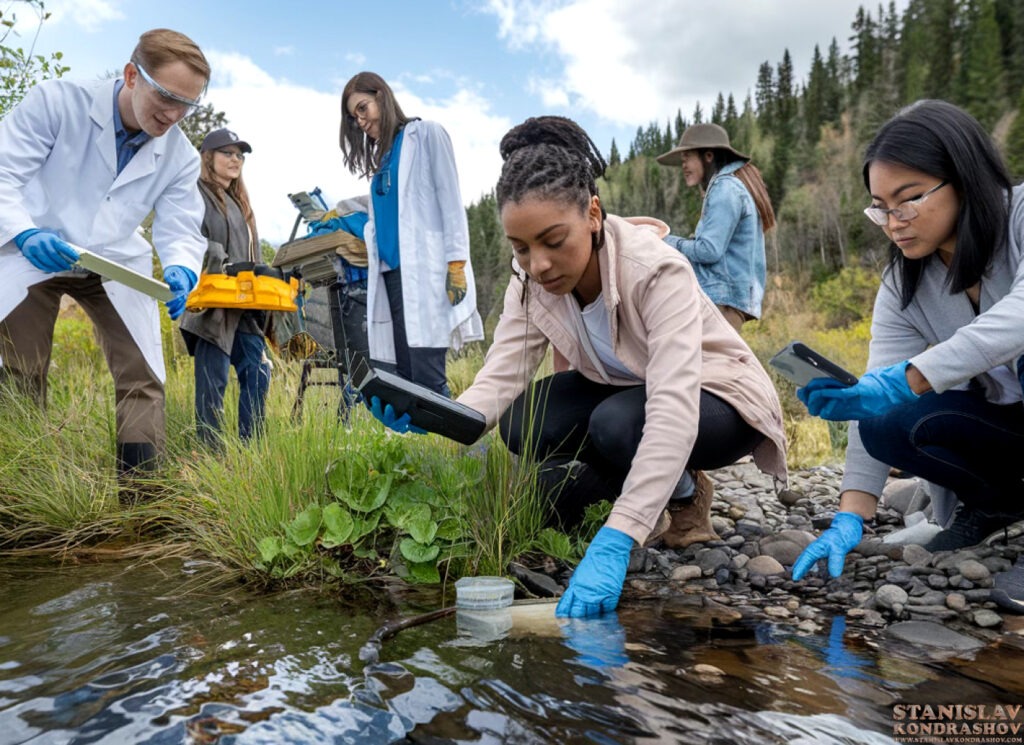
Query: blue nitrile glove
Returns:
{"type": "Point", "coordinates": [354, 224]}
{"type": "Point", "coordinates": [600, 642]}
{"type": "Point", "coordinates": [181, 280]}
{"type": "Point", "coordinates": [875, 393]}
{"type": "Point", "coordinates": [596, 584]}
{"type": "Point", "coordinates": [388, 418]}
{"type": "Point", "coordinates": [46, 250]}
{"type": "Point", "coordinates": [843, 534]}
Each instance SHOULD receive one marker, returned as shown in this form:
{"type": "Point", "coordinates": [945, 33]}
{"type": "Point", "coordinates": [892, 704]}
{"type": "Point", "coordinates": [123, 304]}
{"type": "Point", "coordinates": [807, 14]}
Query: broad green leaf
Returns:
{"type": "Point", "coordinates": [290, 550]}
{"type": "Point", "coordinates": [363, 525]}
{"type": "Point", "coordinates": [305, 527]}
{"type": "Point", "coordinates": [423, 531]}
{"type": "Point", "coordinates": [402, 517]}
{"type": "Point", "coordinates": [425, 573]}
{"type": "Point", "coordinates": [369, 496]}
{"type": "Point", "coordinates": [270, 548]}
{"type": "Point", "coordinates": [418, 553]}
{"type": "Point", "coordinates": [450, 529]}
{"type": "Point", "coordinates": [338, 526]}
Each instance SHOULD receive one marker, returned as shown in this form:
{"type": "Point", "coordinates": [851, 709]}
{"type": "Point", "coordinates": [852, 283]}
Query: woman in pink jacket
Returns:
{"type": "Point", "coordinates": [662, 385]}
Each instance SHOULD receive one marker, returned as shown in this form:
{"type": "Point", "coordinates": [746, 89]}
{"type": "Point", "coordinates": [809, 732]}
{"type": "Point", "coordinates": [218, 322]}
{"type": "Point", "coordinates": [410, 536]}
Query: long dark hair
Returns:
{"type": "Point", "coordinates": [361, 154]}
{"type": "Point", "coordinates": [236, 189]}
{"type": "Point", "coordinates": [944, 141]}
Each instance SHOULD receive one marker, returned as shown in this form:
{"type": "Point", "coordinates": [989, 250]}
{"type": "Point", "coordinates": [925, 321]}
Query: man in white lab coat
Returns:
{"type": "Point", "coordinates": [82, 166]}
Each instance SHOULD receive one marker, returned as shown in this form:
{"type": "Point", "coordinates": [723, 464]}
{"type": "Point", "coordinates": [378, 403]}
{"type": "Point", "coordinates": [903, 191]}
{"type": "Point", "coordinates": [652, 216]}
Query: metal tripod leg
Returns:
{"type": "Point", "coordinates": [346, 357]}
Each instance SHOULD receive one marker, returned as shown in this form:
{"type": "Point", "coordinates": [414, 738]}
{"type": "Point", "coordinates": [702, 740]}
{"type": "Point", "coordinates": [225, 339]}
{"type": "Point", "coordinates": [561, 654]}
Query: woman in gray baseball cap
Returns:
{"type": "Point", "coordinates": [221, 338]}
{"type": "Point", "coordinates": [727, 248]}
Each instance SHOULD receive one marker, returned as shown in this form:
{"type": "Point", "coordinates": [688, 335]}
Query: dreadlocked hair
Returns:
{"type": "Point", "coordinates": [549, 157]}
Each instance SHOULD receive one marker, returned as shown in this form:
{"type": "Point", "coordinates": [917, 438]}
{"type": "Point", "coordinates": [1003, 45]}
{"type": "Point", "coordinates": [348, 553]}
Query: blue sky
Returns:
{"type": "Point", "coordinates": [477, 66]}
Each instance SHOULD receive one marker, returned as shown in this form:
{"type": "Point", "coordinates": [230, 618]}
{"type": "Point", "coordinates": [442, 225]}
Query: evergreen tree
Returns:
{"type": "Point", "coordinates": [730, 115]}
{"type": "Point", "coordinates": [1010, 17]}
{"type": "Point", "coordinates": [764, 95]}
{"type": "Point", "coordinates": [698, 114]}
{"type": "Point", "coordinates": [866, 56]}
{"type": "Point", "coordinates": [680, 125]}
{"type": "Point", "coordinates": [613, 155]}
{"type": "Point", "coordinates": [718, 112]}
{"type": "Point", "coordinates": [814, 98]}
{"type": "Point", "coordinates": [1015, 143]}
{"type": "Point", "coordinates": [833, 95]}
{"type": "Point", "coordinates": [980, 85]}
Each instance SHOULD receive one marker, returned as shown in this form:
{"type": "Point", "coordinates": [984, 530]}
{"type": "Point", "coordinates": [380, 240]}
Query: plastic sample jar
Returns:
{"type": "Point", "coordinates": [483, 593]}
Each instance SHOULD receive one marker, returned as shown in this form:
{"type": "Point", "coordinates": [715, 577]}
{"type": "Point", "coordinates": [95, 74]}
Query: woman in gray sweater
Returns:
{"type": "Point", "coordinates": [942, 398]}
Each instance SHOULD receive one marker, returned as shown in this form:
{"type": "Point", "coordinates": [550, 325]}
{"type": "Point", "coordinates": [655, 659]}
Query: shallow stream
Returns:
{"type": "Point", "coordinates": [118, 653]}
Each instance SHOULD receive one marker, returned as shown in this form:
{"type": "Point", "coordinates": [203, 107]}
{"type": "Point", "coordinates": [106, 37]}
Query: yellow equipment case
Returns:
{"type": "Point", "coordinates": [245, 286]}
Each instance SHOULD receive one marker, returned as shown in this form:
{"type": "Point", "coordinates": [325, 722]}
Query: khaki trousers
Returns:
{"type": "Point", "coordinates": [26, 345]}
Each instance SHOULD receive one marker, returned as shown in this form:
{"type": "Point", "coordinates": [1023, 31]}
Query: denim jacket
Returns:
{"type": "Point", "coordinates": [727, 250]}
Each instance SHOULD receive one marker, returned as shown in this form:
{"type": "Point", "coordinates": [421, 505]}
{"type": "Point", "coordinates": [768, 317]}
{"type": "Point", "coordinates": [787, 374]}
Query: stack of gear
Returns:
{"type": "Point", "coordinates": [245, 286]}
{"type": "Point", "coordinates": [331, 248]}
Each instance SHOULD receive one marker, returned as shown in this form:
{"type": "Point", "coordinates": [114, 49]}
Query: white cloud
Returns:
{"type": "Point", "coordinates": [293, 130]}
{"type": "Point", "coordinates": [627, 62]}
{"type": "Point", "coordinates": [285, 51]}
{"type": "Point", "coordinates": [90, 15]}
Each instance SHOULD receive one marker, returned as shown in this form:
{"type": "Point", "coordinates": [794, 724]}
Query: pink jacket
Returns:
{"type": "Point", "coordinates": [667, 332]}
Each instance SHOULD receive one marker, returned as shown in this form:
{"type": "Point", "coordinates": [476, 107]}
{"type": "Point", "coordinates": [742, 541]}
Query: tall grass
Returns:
{"type": "Point", "coordinates": [58, 489]}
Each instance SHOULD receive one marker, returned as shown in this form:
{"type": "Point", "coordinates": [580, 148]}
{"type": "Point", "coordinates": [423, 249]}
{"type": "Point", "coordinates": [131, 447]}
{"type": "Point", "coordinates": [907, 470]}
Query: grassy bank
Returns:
{"type": "Point", "coordinates": [316, 499]}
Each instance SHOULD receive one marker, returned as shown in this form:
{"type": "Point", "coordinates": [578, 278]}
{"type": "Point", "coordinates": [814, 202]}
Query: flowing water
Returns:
{"type": "Point", "coordinates": [119, 653]}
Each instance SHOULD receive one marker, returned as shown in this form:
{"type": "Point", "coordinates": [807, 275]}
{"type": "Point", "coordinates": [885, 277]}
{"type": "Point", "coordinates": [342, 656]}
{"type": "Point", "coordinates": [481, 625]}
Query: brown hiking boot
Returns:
{"type": "Point", "coordinates": [691, 523]}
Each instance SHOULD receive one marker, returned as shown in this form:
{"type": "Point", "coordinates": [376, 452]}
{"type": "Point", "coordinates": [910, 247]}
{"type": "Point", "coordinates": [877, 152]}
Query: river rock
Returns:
{"type": "Point", "coordinates": [888, 596]}
{"type": "Point", "coordinates": [765, 566]}
{"type": "Point", "coordinates": [927, 634]}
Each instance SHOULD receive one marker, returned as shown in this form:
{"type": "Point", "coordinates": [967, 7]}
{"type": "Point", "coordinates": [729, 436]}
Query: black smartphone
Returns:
{"type": "Point", "coordinates": [800, 364]}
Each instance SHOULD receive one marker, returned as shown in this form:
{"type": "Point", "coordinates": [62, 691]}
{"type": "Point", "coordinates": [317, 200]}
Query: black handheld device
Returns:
{"type": "Point", "coordinates": [800, 364]}
{"type": "Point", "coordinates": [426, 409]}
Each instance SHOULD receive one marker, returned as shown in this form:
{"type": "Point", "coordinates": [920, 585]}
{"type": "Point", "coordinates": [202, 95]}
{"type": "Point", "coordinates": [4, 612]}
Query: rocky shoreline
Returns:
{"type": "Point", "coordinates": [939, 600]}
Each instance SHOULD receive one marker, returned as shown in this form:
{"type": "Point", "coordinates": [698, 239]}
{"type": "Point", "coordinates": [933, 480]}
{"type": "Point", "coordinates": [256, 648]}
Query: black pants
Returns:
{"type": "Point", "coordinates": [423, 365]}
{"type": "Point", "coordinates": [567, 417]}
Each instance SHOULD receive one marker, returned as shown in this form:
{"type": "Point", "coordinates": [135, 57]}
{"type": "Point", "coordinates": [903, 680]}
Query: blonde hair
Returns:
{"type": "Point", "coordinates": [162, 46]}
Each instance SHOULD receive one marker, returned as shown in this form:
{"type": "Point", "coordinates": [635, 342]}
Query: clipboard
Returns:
{"type": "Point", "coordinates": [120, 273]}
{"type": "Point", "coordinates": [426, 409]}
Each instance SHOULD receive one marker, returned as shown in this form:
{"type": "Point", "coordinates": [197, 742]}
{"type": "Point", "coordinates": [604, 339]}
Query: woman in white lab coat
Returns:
{"type": "Point", "coordinates": [421, 296]}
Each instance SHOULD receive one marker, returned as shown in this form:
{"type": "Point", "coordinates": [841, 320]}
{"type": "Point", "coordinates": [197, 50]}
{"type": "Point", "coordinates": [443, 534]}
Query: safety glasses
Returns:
{"type": "Point", "coordinates": [169, 98]}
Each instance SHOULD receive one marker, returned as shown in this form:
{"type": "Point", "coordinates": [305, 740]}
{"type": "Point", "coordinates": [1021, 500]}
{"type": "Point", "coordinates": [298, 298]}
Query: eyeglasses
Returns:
{"type": "Point", "coordinates": [361, 108]}
{"type": "Point", "coordinates": [232, 154]}
{"type": "Point", "coordinates": [903, 212]}
{"type": "Point", "coordinates": [171, 99]}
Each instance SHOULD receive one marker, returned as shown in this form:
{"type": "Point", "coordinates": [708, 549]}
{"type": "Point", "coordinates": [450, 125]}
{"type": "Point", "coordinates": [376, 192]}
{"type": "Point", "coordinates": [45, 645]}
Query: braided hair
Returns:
{"type": "Point", "coordinates": [549, 157]}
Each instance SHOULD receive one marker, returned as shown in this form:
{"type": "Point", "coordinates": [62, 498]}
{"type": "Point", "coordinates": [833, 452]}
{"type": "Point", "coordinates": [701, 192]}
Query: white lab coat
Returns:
{"type": "Point", "coordinates": [432, 231]}
{"type": "Point", "coordinates": [58, 171]}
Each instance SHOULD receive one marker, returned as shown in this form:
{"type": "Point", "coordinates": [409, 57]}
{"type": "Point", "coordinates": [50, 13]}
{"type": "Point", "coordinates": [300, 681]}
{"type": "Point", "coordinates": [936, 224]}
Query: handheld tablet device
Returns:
{"type": "Point", "coordinates": [120, 273]}
{"type": "Point", "coordinates": [800, 364]}
{"type": "Point", "coordinates": [427, 409]}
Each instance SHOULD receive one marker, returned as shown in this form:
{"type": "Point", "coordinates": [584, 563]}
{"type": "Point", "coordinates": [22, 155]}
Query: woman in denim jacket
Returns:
{"type": "Point", "coordinates": [727, 250]}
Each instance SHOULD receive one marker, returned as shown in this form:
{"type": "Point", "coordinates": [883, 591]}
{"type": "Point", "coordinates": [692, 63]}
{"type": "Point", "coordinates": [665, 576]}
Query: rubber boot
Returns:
{"type": "Point", "coordinates": [691, 521]}
{"type": "Point", "coordinates": [136, 462]}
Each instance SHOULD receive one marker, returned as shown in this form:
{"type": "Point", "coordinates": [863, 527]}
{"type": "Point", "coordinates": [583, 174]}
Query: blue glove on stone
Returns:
{"type": "Point", "coordinates": [599, 642]}
{"type": "Point", "coordinates": [181, 280]}
{"type": "Point", "coordinates": [45, 250]}
{"type": "Point", "coordinates": [835, 543]}
{"type": "Point", "coordinates": [875, 393]}
{"type": "Point", "coordinates": [388, 418]}
{"type": "Point", "coordinates": [596, 584]}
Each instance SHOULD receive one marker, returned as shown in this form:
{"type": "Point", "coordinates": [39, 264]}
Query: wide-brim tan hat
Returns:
{"type": "Point", "coordinates": [700, 137]}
